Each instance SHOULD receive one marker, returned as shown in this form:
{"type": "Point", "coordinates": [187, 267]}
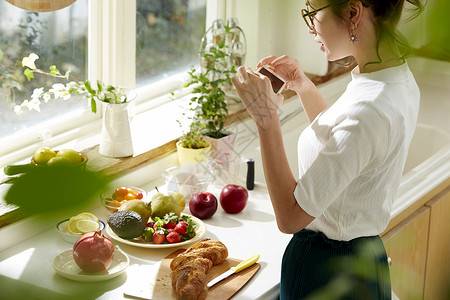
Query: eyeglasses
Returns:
{"type": "Point", "coordinates": [308, 16]}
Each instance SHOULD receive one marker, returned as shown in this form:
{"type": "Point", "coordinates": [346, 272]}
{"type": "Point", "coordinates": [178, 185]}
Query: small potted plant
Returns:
{"type": "Point", "coordinates": [192, 146]}
{"type": "Point", "coordinates": [115, 136]}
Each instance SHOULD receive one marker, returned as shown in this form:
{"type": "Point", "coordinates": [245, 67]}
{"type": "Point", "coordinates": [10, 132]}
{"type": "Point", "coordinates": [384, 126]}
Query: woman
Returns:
{"type": "Point", "coordinates": [350, 157]}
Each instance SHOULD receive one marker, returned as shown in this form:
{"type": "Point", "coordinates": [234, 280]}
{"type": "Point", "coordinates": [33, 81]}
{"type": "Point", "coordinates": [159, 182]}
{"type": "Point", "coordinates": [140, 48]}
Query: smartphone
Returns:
{"type": "Point", "coordinates": [278, 83]}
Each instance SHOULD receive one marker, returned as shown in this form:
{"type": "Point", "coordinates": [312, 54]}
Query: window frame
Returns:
{"type": "Point", "coordinates": [111, 57]}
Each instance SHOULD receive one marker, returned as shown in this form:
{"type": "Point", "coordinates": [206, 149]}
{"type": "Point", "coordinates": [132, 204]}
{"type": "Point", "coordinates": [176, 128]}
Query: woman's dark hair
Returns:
{"type": "Point", "coordinates": [387, 15]}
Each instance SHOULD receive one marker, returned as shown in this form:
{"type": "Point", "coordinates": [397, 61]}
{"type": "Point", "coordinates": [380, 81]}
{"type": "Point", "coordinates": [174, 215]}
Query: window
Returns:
{"type": "Point", "coordinates": [59, 38]}
{"type": "Point", "coordinates": [168, 35]}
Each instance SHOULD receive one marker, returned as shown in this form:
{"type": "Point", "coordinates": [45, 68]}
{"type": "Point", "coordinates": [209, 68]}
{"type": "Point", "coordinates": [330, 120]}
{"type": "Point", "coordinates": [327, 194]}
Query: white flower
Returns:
{"type": "Point", "coordinates": [101, 96]}
{"type": "Point", "coordinates": [73, 85]}
{"type": "Point", "coordinates": [109, 95]}
{"type": "Point", "coordinates": [37, 93]}
{"type": "Point", "coordinates": [34, 104]}
{"type": "Point", "coordinates": [57, 87]}
{"type": "Point", "coordinates": [29, 61]}
{"type": "Point", "coordinates": [60, 91]}
{"type": "Point", "coordinates": [18, 109]}
{"type": "Point", "coordinates": [47, 97]}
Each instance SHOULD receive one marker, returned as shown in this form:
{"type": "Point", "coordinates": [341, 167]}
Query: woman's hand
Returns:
{"type": "Point", "coordinates": [288, 68]}
{"type": "Point", "coordinates": [257, 95]}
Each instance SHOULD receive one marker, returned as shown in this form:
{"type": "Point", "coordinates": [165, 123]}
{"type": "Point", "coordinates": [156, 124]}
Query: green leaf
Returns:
{"type": "Point", "coordinates": [54, 70]}
{"type": "Point", "coordinates": [99, 86]}
{"type": "Point", "coordinates": [31, 191]}
{"type": "Point", "coordinates": [28, 74]}
{"type": "Point", "coordinates": [87, 84]}
{"type": "Point", "coordinates": [93, 105]}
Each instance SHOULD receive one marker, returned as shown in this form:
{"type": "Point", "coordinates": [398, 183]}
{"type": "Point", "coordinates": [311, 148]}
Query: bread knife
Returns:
{"type": "Point", "coordinates": [233, 270]}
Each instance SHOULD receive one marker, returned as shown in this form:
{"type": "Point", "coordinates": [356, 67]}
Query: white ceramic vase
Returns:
{"type": "Point", "coordinates": [116, 134]}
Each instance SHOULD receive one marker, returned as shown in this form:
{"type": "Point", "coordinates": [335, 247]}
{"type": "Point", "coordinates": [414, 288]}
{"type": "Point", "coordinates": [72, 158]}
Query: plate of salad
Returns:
{"type": "Point", "coordinates": [166, 232]}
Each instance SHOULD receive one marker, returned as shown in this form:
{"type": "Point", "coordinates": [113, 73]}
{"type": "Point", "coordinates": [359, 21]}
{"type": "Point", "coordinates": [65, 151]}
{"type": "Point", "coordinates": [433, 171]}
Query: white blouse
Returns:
{"type": "Point", "coordinates": [351, 157]}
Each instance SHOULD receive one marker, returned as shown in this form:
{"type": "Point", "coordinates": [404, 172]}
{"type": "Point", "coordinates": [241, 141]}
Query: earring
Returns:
{"type": "Point", "coordinates": [353, 35]}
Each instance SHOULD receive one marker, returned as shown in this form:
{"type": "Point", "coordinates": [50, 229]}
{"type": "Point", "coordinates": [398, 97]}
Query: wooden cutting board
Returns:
{"type": "Point", "coordinates": [222, 290]}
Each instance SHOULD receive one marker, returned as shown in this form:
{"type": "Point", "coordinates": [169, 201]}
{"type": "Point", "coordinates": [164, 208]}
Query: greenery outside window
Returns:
{"type": "Point", "coordinates": [93, 39]}
{"type": "Point", "coordinates": [60, 38]}
{"type": "Point", "coordinates": [168, 35]}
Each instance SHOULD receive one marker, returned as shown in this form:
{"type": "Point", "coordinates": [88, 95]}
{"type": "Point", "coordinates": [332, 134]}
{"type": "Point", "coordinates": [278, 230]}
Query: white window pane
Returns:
{"type": "Point", "coordinates": [59, 38]}
{"type": "Point", "coordinates": [168, 35]}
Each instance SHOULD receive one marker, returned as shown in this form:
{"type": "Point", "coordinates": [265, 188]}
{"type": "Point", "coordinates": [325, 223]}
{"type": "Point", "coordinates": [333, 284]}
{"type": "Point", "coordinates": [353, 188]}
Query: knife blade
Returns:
{"type": "Point", "coordinates": [233, 270]}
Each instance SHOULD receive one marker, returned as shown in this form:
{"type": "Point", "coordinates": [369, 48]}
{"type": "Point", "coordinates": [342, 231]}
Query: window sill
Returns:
{"type": "Point", "coordinates": [149, 148]}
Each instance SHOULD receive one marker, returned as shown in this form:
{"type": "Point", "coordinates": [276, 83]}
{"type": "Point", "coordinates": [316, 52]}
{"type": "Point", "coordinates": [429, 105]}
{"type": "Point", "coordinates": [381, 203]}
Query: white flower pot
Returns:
{"type": "Point", "coordinates": [116, 135]}
{"type": "Point", "coordinates": [223, 147]}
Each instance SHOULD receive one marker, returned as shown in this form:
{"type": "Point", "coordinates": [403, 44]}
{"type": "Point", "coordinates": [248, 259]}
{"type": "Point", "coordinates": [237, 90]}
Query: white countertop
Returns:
{"type": "Point", "coordinates": [28, 247]}
{"type": "Point", "coordinates": [28, 264]}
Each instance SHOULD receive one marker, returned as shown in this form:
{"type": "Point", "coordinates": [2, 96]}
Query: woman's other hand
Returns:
{"type": "Point", "coordinates": [256, 93]}
{"type": "Point", "coordinates": [288, 68]}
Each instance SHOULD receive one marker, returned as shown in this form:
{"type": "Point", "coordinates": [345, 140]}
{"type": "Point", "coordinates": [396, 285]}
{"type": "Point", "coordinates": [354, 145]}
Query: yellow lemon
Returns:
{"type": "Point", "coordinates": [72, 226]}
{"type": "Point", "coordinates": [87, 216]}
{"type": "Point", "coordinates": [85, 226]}
{"type": "Point", "coordinates": [82, 223]}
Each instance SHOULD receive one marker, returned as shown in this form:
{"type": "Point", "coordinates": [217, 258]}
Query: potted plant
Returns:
{"type": "Point", "coordinates": [115, 136]}
{"type": "Point", "coordinates": [192, 146]}
{"type": "Point", "coordinates": [209, 100]}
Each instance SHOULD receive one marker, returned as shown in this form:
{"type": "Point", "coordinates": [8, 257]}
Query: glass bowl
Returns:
{"type": "Point", "coordinates": [113, 205]}
{"type": "Point", "coordinates": [72, 238]}
{"type": "Point", "coordinates": [188, 179]}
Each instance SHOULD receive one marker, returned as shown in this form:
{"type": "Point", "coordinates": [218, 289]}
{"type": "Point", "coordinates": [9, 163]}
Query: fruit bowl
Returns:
{"type": "Point", "coordinates": [82, 163]}
{"type": "Point", "coordinates": [109, 202]}
{"type": "Point", "coordinates": [188, 179]}
{"type": "Point", "coordinates": [72, 238]}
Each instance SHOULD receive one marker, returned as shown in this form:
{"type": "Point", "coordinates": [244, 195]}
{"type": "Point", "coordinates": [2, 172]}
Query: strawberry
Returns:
{"type": "Point", "coordinates": [173, 237]}
{"type": "Point", "coordinates": [158, 238]}
{"type": "Point", "coordinates": [181, 227]}
{"type": "Point", "coordinates": [169, 225]}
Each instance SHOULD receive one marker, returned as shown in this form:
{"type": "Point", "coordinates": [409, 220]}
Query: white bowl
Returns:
{"type": "Point", "coordinates": [72, 238]}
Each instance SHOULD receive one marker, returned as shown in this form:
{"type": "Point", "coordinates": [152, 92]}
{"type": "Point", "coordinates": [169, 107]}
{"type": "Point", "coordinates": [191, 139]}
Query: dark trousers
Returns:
{"type": "Point", "coordinates": [316, 267]}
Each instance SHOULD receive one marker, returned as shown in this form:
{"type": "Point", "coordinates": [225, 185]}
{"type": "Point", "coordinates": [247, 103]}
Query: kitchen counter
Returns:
{"type": "Point", "coordinates": [28, 247]}
{"type": "Point", "coordinates": [27, 265]}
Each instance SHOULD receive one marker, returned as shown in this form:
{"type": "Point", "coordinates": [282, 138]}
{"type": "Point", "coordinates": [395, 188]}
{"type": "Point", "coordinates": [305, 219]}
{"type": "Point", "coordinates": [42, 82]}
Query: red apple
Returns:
{"type": "Point", "coordinates": [93, 252]}
{"type": "Point", "coordinates": [203, 205]}
{"type": "Point", "coordinates": [233, 198]}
